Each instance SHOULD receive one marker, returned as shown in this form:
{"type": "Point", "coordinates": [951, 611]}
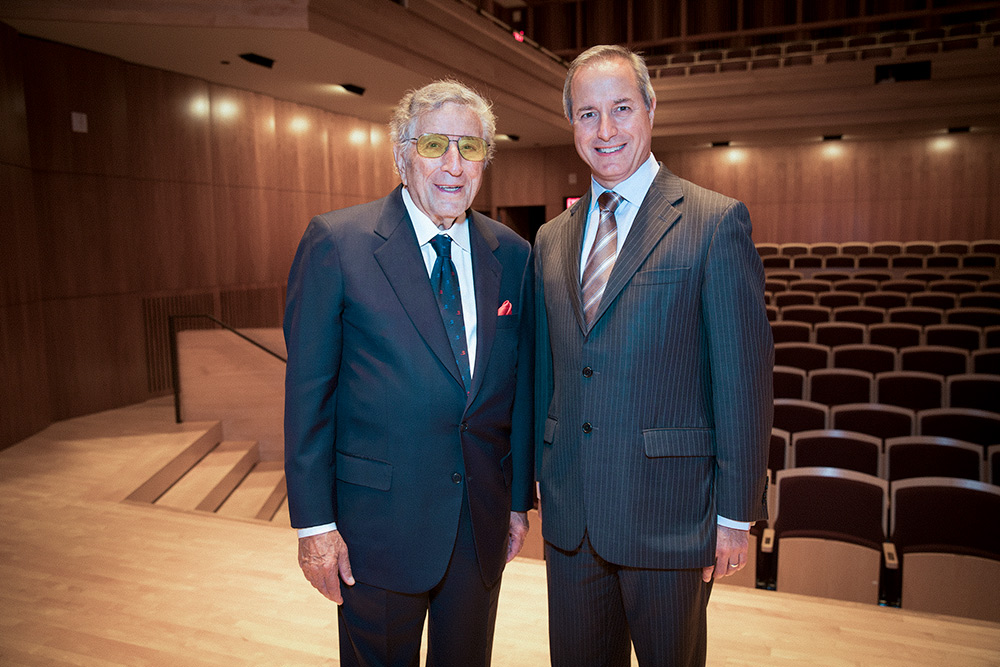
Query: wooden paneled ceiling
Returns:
{"type": "Point", "coordinates": [387, 48]}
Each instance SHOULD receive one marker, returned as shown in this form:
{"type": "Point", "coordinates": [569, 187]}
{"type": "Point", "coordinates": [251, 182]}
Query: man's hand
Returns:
{"type": "Point", "coordinates": [323, 559]}
{"type": "Point", "coordinates": [518, 531]}
{"type": "Point", "coordinates": [731, 547]}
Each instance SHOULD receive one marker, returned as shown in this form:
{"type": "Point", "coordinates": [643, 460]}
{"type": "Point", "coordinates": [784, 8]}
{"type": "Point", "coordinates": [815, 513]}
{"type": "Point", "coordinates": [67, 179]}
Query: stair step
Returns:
{"type": "Point", "coordinates": [280, 517]}
{"type": "Point", "coordinates": [207, 485]}
{"type": "Point", "coordinates": [259, 494]}
{"type": "Point", "coordinates": [168, 475]}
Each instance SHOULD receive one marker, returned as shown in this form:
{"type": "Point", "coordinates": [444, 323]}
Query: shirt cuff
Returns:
{"type": "Point", "coordinates": [738, 525]}
{"type": "Point", "coordinates": [317, 530]}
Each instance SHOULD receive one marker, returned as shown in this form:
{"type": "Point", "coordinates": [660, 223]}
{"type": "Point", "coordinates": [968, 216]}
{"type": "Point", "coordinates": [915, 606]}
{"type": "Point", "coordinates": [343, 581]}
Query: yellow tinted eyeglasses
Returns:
{"type": "Point", "coordinates": [434, 145]}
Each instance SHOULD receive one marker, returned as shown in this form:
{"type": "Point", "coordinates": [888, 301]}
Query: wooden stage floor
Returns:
{"type": "Point", "coordinates": [90, 580]}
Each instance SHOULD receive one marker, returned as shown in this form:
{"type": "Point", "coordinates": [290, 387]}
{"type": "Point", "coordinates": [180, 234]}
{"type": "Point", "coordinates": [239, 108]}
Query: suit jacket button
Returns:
{"type": "Point", "coordinates": [457, 478]}
{"type": "Point", "coordinates": [465, 427]}
{"type": "Point", "coordinates": [587, 428]}
{"type": "Point", "coordinates": [588, 371]}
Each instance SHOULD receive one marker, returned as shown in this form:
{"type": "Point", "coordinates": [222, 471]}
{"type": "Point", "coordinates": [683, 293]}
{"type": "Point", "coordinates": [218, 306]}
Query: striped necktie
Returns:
{"type": "Point", "coordinates": [602, 256]}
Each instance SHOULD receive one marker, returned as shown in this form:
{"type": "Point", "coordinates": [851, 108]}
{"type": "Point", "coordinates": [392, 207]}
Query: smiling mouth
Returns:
{"type": "Point", "coordinates": [610, 150]}
{"type": "Point", "coordinates": [450, 188]}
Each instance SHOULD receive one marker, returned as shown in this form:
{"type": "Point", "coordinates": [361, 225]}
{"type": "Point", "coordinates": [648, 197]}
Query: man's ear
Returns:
{"type": "Point", "coordinates": [399, 158]}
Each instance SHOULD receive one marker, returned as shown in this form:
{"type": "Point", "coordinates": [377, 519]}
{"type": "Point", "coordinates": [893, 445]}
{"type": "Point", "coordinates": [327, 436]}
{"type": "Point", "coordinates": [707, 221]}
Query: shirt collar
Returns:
{"type": "Point", "coordinates": [425, 229]}
{"type": "Point", "coordinates": [634, 188]}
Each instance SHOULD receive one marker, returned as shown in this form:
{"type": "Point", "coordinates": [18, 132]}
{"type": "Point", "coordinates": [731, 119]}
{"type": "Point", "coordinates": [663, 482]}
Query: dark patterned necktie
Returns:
{"type": "Point", "coordinates": [597, 270]}
{"type": "Point", "coordinates": [449, 298]}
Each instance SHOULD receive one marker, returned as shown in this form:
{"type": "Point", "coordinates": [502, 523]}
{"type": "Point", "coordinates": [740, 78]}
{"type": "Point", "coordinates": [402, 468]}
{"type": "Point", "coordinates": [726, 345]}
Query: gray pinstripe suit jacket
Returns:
{"type": "Point", "coordinates": [657, 418]}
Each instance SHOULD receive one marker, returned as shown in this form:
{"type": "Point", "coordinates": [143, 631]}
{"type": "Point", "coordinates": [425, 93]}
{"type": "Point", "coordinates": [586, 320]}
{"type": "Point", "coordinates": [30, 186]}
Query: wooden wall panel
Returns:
{"type": "Point", "coordinates": [302, 148]}
{"type": "Point", "coordinates": [60, 80]}
{"type": "Point", "coordinates": [243, 138]}
{"type": "Point", "coordinates": [95, 353]}
{"type": "Point", "coordinates": [13, 116]}
{"type": "Point", "coordinates": [168, 125]}
{"type": "Point", "coordinates": [252, 307]}
{"type": "Point", "coordinates": [24, 382]}
{"type": "Point", "coordinates": [243, 234]}
{"type": "Point", "coordinates": [87, 228]}
{"type": "Point", "coordinates": [19, 256]}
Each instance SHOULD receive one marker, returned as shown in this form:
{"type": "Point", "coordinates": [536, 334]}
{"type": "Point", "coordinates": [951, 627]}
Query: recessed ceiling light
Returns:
{"type": "Point", "coordinates": [257, 59]}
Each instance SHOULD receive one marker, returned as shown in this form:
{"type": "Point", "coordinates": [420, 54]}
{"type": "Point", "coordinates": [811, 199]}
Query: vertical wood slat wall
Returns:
{"type": "Point", "coordinates": [183, 196]}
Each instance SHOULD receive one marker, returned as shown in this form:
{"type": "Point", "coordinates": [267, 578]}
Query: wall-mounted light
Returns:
{"type": "Point", "coordinates": [736, 155]}
{"type": "Point", "coordinates": [299, 124]}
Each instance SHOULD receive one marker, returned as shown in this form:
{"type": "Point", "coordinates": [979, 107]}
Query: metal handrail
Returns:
{"type": "Point", "coordinates": [175, 366]}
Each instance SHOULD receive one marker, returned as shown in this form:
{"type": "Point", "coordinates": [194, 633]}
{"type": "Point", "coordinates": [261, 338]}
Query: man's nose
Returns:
{"type": "Point", "coordinates": [607, 129]}
{"type": "Point", "coordinates": [453, 159]}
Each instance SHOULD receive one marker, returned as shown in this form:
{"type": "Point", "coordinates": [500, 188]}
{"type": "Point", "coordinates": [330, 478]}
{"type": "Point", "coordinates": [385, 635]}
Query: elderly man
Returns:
{"type": "Point", "coordinates": [654, 394]}
{"type": "Point", "coordinates": [408, 397]}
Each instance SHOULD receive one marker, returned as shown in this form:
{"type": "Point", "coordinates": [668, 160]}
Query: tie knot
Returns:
{"type": "Point", "coordinates": [442, 245]}
{"type": "Point", "coordinates": [609, 200]}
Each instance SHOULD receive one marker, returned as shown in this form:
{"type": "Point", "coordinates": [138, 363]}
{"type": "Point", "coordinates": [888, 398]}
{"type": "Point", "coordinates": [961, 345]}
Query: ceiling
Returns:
{"type": "Point", "coordinates": [387, 48]}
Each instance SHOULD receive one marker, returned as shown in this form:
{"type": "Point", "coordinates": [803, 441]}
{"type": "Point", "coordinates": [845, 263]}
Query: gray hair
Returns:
{"type": "Point", "coordinates": [604, 53]}
{"type": "Point", "coordinates": [433, 96]}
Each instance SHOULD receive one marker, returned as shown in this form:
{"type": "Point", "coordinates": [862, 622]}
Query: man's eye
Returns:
{"type": "Point", "coordinates": [587, 114]}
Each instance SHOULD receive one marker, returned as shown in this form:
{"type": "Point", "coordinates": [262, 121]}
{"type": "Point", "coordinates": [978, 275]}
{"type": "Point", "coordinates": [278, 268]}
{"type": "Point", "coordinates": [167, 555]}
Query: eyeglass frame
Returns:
{"type": "Point", "coordinates": [452, 138]}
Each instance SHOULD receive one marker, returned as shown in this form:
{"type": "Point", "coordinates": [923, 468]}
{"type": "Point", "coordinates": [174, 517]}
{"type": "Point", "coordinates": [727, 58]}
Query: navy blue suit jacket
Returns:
{"type": "Point", "coordinates": [379, 433]}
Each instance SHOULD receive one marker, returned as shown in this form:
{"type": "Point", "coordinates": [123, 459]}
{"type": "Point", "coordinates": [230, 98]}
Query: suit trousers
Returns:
{"type": "Point", "coordinates": [382, 628]}
{"type": "Point", "coordinates": [596, 609]}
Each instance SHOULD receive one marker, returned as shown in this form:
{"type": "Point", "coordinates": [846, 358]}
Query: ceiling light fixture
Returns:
{"type": "Point", "coordinates": [257, 59]}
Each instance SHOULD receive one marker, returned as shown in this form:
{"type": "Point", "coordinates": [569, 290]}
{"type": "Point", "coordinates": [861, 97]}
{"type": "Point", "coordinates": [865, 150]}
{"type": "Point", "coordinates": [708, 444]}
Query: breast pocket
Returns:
{"type": "Point", "coordinates": [661, 276]}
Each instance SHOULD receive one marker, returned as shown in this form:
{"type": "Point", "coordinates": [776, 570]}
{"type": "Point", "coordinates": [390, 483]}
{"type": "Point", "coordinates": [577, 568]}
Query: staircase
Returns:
{"type": "Point", "coordinates": [223, 477]}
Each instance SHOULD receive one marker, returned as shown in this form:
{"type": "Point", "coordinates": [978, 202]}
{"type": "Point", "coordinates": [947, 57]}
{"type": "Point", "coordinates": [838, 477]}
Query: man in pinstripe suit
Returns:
{"type": "Point", "coordinates": [654, 362]}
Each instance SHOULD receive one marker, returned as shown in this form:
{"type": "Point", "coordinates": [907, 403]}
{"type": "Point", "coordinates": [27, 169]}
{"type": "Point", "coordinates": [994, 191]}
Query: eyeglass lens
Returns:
{"type": "Point", "coordinates": [435, 145]}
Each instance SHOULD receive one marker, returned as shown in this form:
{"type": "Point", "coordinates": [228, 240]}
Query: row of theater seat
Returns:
{"type": "Point", "coordinates": [922, 316]}
{"type": "Point", "coordinates": [888, 421]}
{"type": "Point", "coordinates": [879, 261]}
{"type": "Point", "coordinates": [893, 334]}
{"type": "Point", "coordinates": [874, 358]}
{"type": "Point", "coordinates": [914, 390]}
{"type": "Point", "coordinates": [901, 281]}
{"type": "Point", "coordinates": [884, 299]}
{"type": "Point", "coordinates": [922, 543]}
{"type": "Point", "coordinates": [860, 248]}
{"type": "Point", "coordinates": [891, 459]}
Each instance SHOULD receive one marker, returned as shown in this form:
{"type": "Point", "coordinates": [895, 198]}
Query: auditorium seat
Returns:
{"type": "Point", "coordinates": [979, 300]}
{"type": "Point", "coordinates": [895, 334]}
{"type": "Point", "coordinates": [920, 247]}
{"type": "Point", "coordinates": [787, 331]}
{"type": "Point", "coordinates": [776, 262]}
{"type": "Point", "coordinates": [881, 421]}
{"type": "Point", "coordinates": [953, 247]}
{"type": "Point", "coordinates": [807, 262]}
{"type": "Point", "coordinates": [875, 261]}
{"type": "Point", "coordinates": [840, 261]}
{"type": "Point", "coordinates": [954, 335]}
{"type": "Point", "coordinates": [978, 391]}
{"type": "Point", "coordinates": [970, 275]}
{"type": "Point", "coordinates": [925, 275]}
{"type": "Point", "coordinates": [773, 285]}
{"type": "Point", "coordinates": [864, 357]}
{"type": "Point", "coordinates": [936, 359]}
{"type": "Point", "coordinates": [810, 285]}
{"type": "Point", "coordinates": [831, 276]}
{"type": "Point", "coordinates": [942, 260]}
{"type": "Point", "coordinates": [937, 300]}
{"type": "Point", "coordinates": [824, 249]}
{"type": "Point", "coordinates": [877, 276]}
{"type": "Point", "coordinates": [859, 314]}
{"type": "Point", "coordinates": [940, 531]}
{"type": "Point", "coordinates": [986, 247]}
{"type": "Point", "coordinates": [991, 337]}
{"type": "Point", "coordinates": [834, 386]}
{"type": "Point", "coordinates": [932, 456]}
{"type": "Point", "coordinates": [838, 299]}
{"type": "Point", "coordinates": [906, 261]}
{"type": "Point", "coordinates": [991, 286]}
{"type": "Point", "coordinates": [902, 285]}
{"type": "Point", "coordinates": [910, 389]}
{"type": "Point", "coordinates": [765, 249]}
{"type": "Point", "coordinates": [807, 356]}
{"type": "Point", "coordinates": [794, 298]}
{"type": "Point", "coordinates": [952, 286]}
{"type": "Point", "coordinates": [977, 260]}
{"type": "Point", "coordinates": [993, 463]}
{"type": "Point", "coordinates": [830, 448]}
{"type": "Point", "coordinates": [789, 382]}
{"type": "Point", "coordinates": [884, 299]}
{"type": "Point", "coordinates": [772, 313]}
{"type": "Point", "coordinates": [887, 248]}
{"type": "Point", "coordinates": [793, 415]}
{"type": "Point", "coordinates": [793, 249]}
{"type": "Point", "coordinates": [977, 317]}
{"type": "Point", "coordinates": [777, 450]}
{"type": "Point", "coordinates": [811, 314]}
{"type": "Point", "coordinates": [855, 248]}
{"type": "Point", "coordinates": [838, 333]}
{"type": "Point", "coordinates": [855, 285]}
{"type": "Point", "coordinates": [986, 361]}
{"type": "Point", "coordinates": [915, 315]}
{"type": "Point", "coordinates": [978, 426]}
{"type": "Point", "coordinates": [827, 533]}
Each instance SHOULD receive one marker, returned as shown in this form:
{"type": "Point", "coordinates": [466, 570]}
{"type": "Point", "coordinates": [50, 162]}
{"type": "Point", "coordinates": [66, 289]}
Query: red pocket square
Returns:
{"type": "Point", "coordinates": [505, 309]}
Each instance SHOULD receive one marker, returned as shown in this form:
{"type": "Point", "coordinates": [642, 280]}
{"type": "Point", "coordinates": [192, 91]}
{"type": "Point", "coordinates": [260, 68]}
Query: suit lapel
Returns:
{"type": "Point", "coordinates": [400, 259]}
{"type": "Point", "coordinates": [486, 271]}
{"type": "Point", "coordinates": [572, 246]}
{"type": "Point", "coordinates": [654, 219]}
